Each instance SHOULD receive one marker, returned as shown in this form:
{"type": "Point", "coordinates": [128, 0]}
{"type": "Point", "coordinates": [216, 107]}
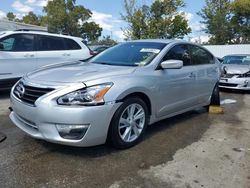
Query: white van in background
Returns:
{"type": "Point", "coordinates": [23, 51]}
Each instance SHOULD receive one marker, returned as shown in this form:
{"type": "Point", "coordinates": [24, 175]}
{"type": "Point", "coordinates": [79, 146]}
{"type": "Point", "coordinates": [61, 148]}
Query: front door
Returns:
{"type": "Point", "coordinates": [177, 87]}
{"type": "Point", "coordinates": [17, 56]}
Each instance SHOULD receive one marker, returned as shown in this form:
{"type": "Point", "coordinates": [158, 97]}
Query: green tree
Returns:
{"type": "Point", "coordinates": [66, 17]}
{"type": "Point", "coordinates": [216, 16]}
{"type": "Point", "coordinates": [31, 18]}
{"type": "Point", "coordinates": [91, 31]}
{"type": "Point", "coordinates": [137, 19]}
{"type": "Point", "coordinates": [106, 40]}
{"type": "Point", "coordinates": [241, 20]}
{"type": "Point", "coordinates": [11, 16]}
{"type": "Point", "coordinates": [43, 20]}
{"type": "Point", "coordinates": [160, 20]}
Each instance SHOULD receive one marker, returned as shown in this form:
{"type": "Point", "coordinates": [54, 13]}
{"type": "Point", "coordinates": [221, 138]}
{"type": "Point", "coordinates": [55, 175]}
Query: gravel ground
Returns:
{"type": "Point", "coordinates": [195, 149]}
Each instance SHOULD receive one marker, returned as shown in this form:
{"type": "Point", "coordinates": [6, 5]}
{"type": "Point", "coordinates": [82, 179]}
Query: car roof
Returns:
{"type": "Point", "coordinates": [40, 33]}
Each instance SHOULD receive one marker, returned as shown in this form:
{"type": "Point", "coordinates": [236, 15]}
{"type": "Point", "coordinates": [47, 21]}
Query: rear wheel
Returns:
{"type": "Point", "coordinates": [215, 97]}
{"type": "Point", "coordinates": [129, 123]}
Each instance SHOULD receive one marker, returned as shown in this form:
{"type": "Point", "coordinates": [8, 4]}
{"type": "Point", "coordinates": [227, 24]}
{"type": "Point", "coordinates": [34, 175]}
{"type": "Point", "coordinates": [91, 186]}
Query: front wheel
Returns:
{"type": "Point", "coordinates": [129, 123]}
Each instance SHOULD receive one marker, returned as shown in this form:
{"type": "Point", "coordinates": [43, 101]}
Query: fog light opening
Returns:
{"type": "Point", "coordinates": [72, 132]}
{"type": "Point", "coordinates": [246, 83]}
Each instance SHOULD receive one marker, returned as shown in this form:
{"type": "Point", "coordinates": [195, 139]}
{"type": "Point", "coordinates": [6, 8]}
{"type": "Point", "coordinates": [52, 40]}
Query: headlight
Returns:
{"type": "Point", "coordinates": [87, 96]}
{"type": "Point", "coordinates": [246, 75]}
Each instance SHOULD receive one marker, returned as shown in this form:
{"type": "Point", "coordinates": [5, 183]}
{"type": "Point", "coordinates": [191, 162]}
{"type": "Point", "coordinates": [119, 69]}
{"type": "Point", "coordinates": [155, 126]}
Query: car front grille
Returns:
{"type": "Point", "coordinates": [228, 84]}
{"type": "Point", "coordinates": [29, 94]}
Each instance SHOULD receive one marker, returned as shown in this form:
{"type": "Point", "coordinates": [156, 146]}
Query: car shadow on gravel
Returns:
{"type": "Point", "coordinates": [4, 94]}
{"type": "Point", "coordinates": [103, 165]}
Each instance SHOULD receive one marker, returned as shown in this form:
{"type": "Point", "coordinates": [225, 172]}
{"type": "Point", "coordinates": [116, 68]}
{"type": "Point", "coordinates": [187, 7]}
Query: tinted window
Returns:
{"type": "Point", "coordinates": [244, 59]}
{"type": "Point", "coordinates": [179, 52]}
{"type": "Point", "coordinates": [50, 43]}
{"type": "Point", "coordinates": [72, 45]}
{"type": "Point", "coordinates": [18, 43]}
{"type": "Point", "coordinates": [200, 56]}
{"type": "Point", "coordinates": [130, 54]}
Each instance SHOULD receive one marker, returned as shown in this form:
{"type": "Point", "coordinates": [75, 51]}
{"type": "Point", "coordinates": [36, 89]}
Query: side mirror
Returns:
{"type": "Point", "coordinates": [1, 46]}
{"type": "Point", "coordinates": [172, 64]}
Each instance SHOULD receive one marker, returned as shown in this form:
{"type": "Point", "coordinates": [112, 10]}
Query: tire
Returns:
{"type": "Point", "coordinates": [127, 130]}
{"type": "Point", "coordinates": [215, 97]}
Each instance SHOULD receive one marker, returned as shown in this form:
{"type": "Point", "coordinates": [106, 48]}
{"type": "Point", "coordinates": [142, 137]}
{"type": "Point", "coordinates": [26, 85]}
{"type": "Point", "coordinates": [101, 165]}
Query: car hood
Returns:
{"type": "Point", "coordinates": [78, 72]}
{"type": "Point", "coordinates": [236, 69]}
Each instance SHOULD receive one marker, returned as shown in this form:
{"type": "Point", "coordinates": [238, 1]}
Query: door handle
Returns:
{"type": "Point", "coordinates": [29, 55]}
{"type": "Point", "coordinates": [66, 54]}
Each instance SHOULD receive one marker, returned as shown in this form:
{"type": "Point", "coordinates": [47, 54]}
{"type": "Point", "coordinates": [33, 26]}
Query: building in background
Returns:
{"type": "Point", "coordinates": [6, 25]}
{"type": "Point", "coordinates": [223, 50]}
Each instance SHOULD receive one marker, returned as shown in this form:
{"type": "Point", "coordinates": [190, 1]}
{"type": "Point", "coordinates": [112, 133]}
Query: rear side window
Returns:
{"type": "Point", "coordinates": [179, 52]}
{"type": "Point", "coordinates": [200, 56]}
{"type": "Point", "coordinates": [72, 45]}
{"type": "Point", "coordinates": [18, 43]}
{"type": "Point", "coordinates": [50, 43]}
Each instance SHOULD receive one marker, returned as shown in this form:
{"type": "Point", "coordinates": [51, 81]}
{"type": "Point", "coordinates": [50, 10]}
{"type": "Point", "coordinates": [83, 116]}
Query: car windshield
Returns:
{"type": "Point", "coordinates": [244, 59]}
{"type": "Point", "coordinates": [130, 54]}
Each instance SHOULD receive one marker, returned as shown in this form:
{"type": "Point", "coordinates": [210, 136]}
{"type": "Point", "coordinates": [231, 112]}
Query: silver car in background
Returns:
{"type": "Point", "coordinates": [235, 72]}
{"type": "Point", "coordinates": [116, 94]}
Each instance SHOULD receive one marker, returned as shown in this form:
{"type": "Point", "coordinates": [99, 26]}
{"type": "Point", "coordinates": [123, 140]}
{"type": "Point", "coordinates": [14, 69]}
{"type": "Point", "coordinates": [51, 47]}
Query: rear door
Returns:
{"type": "Point", "coordinates": [17, 56]}
{"type": "Point", "coordinates": [176, 86]}
{"type": "Point", "coordinates": [50, 50]}
{"type": "Point", "coordinates": [207, 72]}
{"type": "Point", "coordinates": [75, 51]}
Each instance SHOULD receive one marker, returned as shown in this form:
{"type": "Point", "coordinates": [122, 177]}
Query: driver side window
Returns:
{"type": "Point", "coordinates": [179, 52]}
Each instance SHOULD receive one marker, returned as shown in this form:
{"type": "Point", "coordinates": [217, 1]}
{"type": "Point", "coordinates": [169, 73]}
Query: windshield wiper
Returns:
{"type": "Point", "coordinates": [103, 63]}
{"type": "Point", "coordinates": [115, 64]}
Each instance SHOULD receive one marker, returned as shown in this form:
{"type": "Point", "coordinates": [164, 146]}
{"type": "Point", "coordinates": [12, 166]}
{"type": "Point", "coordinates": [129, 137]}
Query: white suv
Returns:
{"type": "Point", "coordinates": [23, 51]}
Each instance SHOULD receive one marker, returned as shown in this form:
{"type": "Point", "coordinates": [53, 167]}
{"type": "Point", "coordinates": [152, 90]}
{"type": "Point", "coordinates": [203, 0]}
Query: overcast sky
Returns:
{"type": "Point", "coordinates": [106, 13]}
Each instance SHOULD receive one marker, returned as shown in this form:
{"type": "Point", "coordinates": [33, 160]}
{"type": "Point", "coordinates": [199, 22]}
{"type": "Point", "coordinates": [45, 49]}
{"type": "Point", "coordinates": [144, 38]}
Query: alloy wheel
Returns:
{"type": "Point", "coordinates": [132, 122]}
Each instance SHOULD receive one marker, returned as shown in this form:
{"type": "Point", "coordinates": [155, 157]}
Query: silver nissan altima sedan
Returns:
{"type": "Point", "coordinates": [116, 94]}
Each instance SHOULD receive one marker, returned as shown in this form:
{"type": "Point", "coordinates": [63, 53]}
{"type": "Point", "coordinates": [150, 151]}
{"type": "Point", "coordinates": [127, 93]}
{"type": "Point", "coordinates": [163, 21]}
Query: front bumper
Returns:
{"type": "Point", "coordinates": [235, 83]}
{"type": "Point", "coordinates": [40, 121]}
